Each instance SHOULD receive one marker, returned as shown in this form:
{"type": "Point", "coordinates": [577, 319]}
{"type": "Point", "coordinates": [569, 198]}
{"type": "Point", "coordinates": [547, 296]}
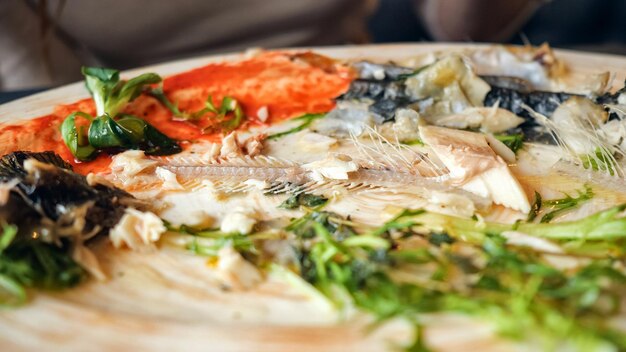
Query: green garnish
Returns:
{"type": "Point", "coordinates": [403, 77]}
{"type": "Point", "coordinates": [222, 114]}
{"type": "Point", "coordinates": [307, 120]}
{"type": "Point", "coordinates": [229, 114]}
{"type": "Point", "coordinates": [601, 161]}
{"type": "Point", "coordinates": [304, 227]}
{"type": "Point", "coordinates": [303, 199]}
{"type": "Point", "coordinates": [110, 130]}
{"type": "Point", "coordinates": [208, 242]}
{"type": "Point", "coordinates": [415, 141]}
{"type": "Point", "coordinates": [30, 263]}
{"type": "Point", "coordinates": [515, 142]}
{"type": "Point", "coordinates": [173, 107]}
{"type": "Point", "coordinates": [76, 138]}
{"type": "Point", "coordinates": [535, 208]}
{"type": "Point", "coordinates": [557, 206]}
{"type": "Point", "coordinates": [112, 94]}
{"type": "Point", "coordinates": [565, 204]}
{"type": "Point", "coordinates": [522, 294]}
{"type": "Point", "coordinates": [421, 262]}
{"type": "Point", "coordinates": [129, 132]}
{"type": "Point", "coordinates": [240, 243]}
{"type": "Point", "coordinates": [607, 225]}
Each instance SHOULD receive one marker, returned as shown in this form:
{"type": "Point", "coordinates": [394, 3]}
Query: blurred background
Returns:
{"type": "Point", "coordinates": [43, 43]}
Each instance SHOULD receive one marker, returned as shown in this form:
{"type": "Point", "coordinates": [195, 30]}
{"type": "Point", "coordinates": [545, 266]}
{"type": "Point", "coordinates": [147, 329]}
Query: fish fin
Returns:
{"type": "Point", "coordinates": [12, 164]}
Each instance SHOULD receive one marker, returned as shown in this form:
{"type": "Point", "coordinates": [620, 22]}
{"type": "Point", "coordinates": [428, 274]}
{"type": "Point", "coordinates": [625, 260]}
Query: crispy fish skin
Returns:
{"type": "Point", "coordinates": [43, 191]}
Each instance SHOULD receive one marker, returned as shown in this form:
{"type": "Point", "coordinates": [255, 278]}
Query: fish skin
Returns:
{"type": "Point", "coordinates": [12, 165]}
{"type": "Point", "coordinates": [48, 189]}
{"type": "Point", "coordinates": [513, 100]}
{"type": "Point", "coordinates": [509, 82]}
{"type": "Point", "coordinates": [388, 91]}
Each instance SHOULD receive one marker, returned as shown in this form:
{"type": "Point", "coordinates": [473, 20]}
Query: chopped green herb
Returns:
{"type": "Point", "coordinates": [565, 204]}
{"type": "Point", "coordinates": [229, 114]}
{"type": "Point", "coordinates": [418, 344]}
{"type": "Point", "coordinates": [421, 263]}
{"type": "Point", "coordinates": [403, 77]}
{"type": "Point", "coordinates": [606, 225]}
{"type": "Point", "coordinates": [601, 161]}
{"type": "Point", "coordinates": [524, 296]}
{"type": "Point", "coordinates": [8, 234]}
{"type": "Point", "coordinates": [76, 139]}
{"type": "Point", "coordinates": [173, 107]}
{"type": "Point", "coordinates": [415, 141]}
{"type": "Point", "coordinates": [229, 105]}
{"type": "Point", "coordinates": [515, 142]}
{"type": "Point", "coordinates": [440, 238]}
{"type": "Point", "coordinates": [30, 263]}
{"type": "Point", "coordinates": [304, 227]}
{"type": "Point", "coordinates": [307, 120]}
{"type": "Point", "coordinates": [303, 199]}
{"type": "Point", "coordinates": [535, 208]}
{"type": "Point", "coordinates": [241, 243]}
{"type": "Point", "coordinates": [208, 242]}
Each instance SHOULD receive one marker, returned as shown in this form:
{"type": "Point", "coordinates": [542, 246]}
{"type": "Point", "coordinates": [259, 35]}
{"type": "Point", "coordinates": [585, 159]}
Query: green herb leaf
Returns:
{"type": "Point", "coordinates": [303, 199]}
{"type": "Point", "coordinates": [524, 296]}
{"type": "Point", "coordinates": [440, 238]}
{"type": "Point", "coordinates": [110, 93]}
{"type": "Point", "coordinates": [100, 82]}
{"type": "Point", "coordinates": [307, 120]}
{"type": "Point", "coordinates": [173, 107]}
{"type": "Point", "coordinates": [230, 105]}
{"type": "Point", "coordinates": [31, 263]}
{"type": "Point", "coordinates": [229, 114]}
{"type": "Point", "coordinates": [130, 132]}
{"type": "Point", "coordinates": [415, 141]}
{"type": "Point", "coordinates": [240, 243]}
{"type": "Point", "coordinates": [111, 130]}
{"type": "Point", "coordinates": [601, 160]}
{"type": "Point", "coordinates": [12, 293]}
{"type": "Point", "coordinates": [75, 139]}
{"type": "Point", "coordinates": [421, 263]}
{"type": "Point", "coordinates": [105, 133]}
{"type": "Point", "coordinates": [304, 227]}
{"type": "Point", "coordinates": [8, 234]}
{"type": "Point", "coordinates": [535, 208]}
{"type": "Point", "coordinates": [515, 142]}
{"type": "Point", "coordinates": [606, 225]}
{"type": "Point", "coordinates": [208, 242]}
{"type": "Point", "coordinates": [562, 205]}
{"type": "Point", "coordinates": [155, 142]}
{"type": "Point", "coordinates": [403, 77]}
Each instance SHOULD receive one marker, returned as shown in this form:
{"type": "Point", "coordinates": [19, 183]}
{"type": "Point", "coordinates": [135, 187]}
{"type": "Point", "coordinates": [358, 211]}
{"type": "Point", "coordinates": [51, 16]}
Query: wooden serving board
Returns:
{"type": "Point", "coordinates": [168, 300]}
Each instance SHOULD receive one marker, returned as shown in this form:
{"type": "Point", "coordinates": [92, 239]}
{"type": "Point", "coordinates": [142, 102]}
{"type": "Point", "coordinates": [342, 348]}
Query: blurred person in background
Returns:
{"type": "Point", "coordinates": [44, 42]}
